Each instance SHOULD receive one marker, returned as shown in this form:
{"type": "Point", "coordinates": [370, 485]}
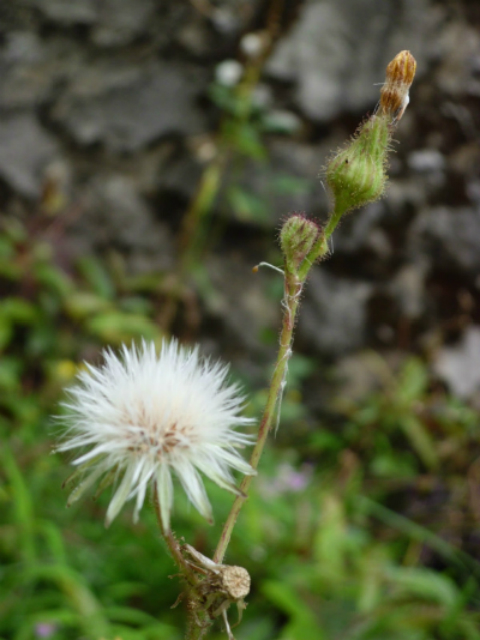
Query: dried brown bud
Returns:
{"type": "Point", "coordinates": [235, 581]}
{"type": "Point", "coordinates": [394, 93]}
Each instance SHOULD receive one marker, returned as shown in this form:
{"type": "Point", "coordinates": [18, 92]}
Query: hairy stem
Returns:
{"type": "Point", "coordinates": [174, 547]}
{"type": "Point", "coordinates": [332, 223]}
{"type": "Point", "coordinates": [291, 300]}
{"type": "Point", "coordinates": [198, 623]}
{"type": "Point", "coordinates": [198, 620]}
{"type": "Point", "coordinates": [192, 233]}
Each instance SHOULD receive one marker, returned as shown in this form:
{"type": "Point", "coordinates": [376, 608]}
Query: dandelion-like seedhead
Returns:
{"type": "Point", "coordinates": [145, 416]}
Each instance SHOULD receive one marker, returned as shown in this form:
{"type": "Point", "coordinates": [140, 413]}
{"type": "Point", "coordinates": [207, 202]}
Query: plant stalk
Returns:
{"type": "Point", "coordinates": [174, 548]}
{"type": "Point", "coordinates": [291, 301]}
{"type": "Point", "coordinates": [293, 287]}
{"type": "Point", "coordinates": [332, 223]}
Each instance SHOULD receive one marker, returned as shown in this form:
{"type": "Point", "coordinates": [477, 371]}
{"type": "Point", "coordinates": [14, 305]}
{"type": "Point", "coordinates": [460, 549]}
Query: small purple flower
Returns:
{"type": "Point", "coordinates": [45, 629]}
{"type": "Point", "coordinates": [297, 480]}
{"type": "Point", "coordinates": [288, 480]}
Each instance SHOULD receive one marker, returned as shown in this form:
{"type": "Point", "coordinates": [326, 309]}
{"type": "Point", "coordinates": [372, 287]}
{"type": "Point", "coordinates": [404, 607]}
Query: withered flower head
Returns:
{"type": "Point", "coordinates": [394, 93]}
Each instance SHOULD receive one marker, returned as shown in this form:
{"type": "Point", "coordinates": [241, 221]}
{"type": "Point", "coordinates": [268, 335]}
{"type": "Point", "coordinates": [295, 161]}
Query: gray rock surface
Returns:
{"type": "Point", "coordinates": [21, 80]}
{"type": "Point", "coordinates": [409, 290]}
{"type": "Point", "coordinates": [114, 22]}
{"type": "Point", "coordinates": [361, 231]}
{"type": "Point", "coordinates": [450, 236]}
{"type": "Point", "coordinates": [127, 107]}
{"type": "Point", "coordinates": [30, 68]}
{"type": "Point", "coordinates": [117, 92]}
{"type": "Point", "coordinates": [67, 13]}
{"type": "Point", "coordinates": [334, 313]}
{"type": "Point", "coordinates": [338, 51]}
{"type": "Point", "coordinates": [459, 366]}
{"type": "Point", "coordinates": [115, 217]}
{"type": "Point", "coordinates": [458, 44]}
{"type": "Point", "coordinates": [426, 161]}
{"type": "Point", "coordinates": [25, 151]}
{"type": "Point", "coordinates": [119, 22]}
{"type": "Point", "coordinates": [237, 298]}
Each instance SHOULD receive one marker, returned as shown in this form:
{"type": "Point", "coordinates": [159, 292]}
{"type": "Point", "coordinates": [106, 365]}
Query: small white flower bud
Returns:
{"type": "Point", "coordinates": [252, 44]}
{"type": "Point", "coordinates": [229, 73]}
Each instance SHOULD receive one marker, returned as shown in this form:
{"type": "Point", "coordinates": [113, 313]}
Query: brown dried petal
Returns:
{"type": "Point", "coordinates": [394, 93]}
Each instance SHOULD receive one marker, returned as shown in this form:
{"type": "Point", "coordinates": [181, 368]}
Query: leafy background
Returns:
{"type": "Point", "coordinates": [139, 183]}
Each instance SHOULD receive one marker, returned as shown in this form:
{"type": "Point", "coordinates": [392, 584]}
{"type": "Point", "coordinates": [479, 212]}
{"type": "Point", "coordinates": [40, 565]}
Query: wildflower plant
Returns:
{"type": "Point", "coordinates": [142, 417]}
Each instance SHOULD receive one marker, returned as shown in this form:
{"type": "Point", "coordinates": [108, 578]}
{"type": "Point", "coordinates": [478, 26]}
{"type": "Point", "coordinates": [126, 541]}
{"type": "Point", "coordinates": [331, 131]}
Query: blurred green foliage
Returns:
{"type": "Point", "coordinates": [239, 145]}
{"type": "Point", "coordinates": [328, 534]}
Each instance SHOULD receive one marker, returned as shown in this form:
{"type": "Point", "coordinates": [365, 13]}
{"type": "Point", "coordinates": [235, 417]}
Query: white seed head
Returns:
{"type": "Point", "coordinates": [144, 416]}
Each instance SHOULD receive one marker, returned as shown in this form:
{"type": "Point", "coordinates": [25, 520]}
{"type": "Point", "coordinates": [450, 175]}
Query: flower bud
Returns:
{"type": "Point", "coordinates": [394, 93]}
{"type": "Point", "coordinates": [300, 239]}
{"type": "Point", "coordinates": [357, 175]}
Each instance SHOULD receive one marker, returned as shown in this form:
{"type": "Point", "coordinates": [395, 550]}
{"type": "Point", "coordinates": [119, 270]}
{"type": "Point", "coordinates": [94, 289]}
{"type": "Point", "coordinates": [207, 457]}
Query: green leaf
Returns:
{"type": "Point", "coordinates": [6, 330]}
{"type": "Point", "coordinates": [248, 207]}
{"type": "Point", "coordinates": [21, 503]}
{"type": "Point", "coordinates": [302, 623]}
{"type": "Point", "coordinates": [53, 280]}
{"type": "Point", "coordinates": [413, 381]}
{"type": "Point", "coordinates": [19, 310]}
{"type": "Point", "coordinates": [420, 440]}
{"type": "Point", "coordinates": [96, 275]}
{"type": "Point", "coordinates": [116, 327]}
{"type": "Point", "coordinates": [80, 305]}
{"type": "Point", "coordinates": [423, 584]}
{"type": "Point", "coordinates": [331, 540]}
{"type": "Point", "coordinates": [10, 371]}
{"type": "Point", "coordinates": [291, 185]}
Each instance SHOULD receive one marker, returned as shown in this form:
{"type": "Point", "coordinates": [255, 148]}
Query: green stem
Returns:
{"type": "Point", "coordinates": [291, 301]}
{"type": "Point", "coordinates": [198, 620]}
{"type": "Point", "coordinates": [174, 547]}
{"type": "Point", "coordinates": [332, 223]}
{"type": "Point", "coordinates": [199, 209]}
{"type": "Point", "coordinates": [198, 624]}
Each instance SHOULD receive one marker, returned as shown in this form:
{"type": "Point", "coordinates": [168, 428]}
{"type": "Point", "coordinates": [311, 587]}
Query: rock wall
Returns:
{"type": "Point", "coordinates": [109, 101]}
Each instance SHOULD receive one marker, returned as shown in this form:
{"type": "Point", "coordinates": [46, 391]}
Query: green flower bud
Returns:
{"type": "Point", "coordinates": [357, 175]}
{"type": "Point", "coordinates": [302, 243]}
